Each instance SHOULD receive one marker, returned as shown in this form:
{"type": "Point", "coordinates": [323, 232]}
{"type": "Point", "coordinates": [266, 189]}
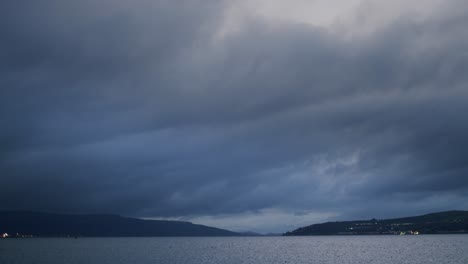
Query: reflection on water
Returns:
{"type": "Point", "coordinates": [423, 249]}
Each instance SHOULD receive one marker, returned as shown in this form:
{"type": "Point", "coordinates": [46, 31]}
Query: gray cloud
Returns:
{"type": "Point", "coordinates": [139, 109]}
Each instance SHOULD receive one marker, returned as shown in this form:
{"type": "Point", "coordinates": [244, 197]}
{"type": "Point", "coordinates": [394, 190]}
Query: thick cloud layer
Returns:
{"type": "Point", "coordinates": [202, 110]}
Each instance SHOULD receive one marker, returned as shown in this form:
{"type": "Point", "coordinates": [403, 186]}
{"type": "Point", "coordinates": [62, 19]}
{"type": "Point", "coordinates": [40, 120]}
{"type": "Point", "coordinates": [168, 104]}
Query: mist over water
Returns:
{"type": "Point", "coordinates": [424, 249]}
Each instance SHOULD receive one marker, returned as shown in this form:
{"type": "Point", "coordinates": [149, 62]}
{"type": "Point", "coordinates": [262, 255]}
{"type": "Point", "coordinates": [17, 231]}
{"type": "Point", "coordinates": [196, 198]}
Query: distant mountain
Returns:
{"type": "Point", "coordinates": [250, 233]}
{"type": "Point", "coordinates": [47, 224]}
{"type": "Point", "coordinates": [450, 222]}
{"type": "Point", "coordinates": [273, 234]}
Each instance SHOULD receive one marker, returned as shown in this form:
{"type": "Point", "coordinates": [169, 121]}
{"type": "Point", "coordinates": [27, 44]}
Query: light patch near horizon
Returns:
{"type": "Point", "coordinates": [263, 221]}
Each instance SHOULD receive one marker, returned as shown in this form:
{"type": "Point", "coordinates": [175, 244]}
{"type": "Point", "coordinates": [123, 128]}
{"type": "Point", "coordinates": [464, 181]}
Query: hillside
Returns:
{"type": "Point", "coordinates": [46, 224]}
{"type": "Point", "coordinates": [449, 222]}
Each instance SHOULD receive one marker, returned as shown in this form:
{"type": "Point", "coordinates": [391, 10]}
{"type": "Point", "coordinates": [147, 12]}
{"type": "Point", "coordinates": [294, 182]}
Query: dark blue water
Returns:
{"type": "Point", "coordinates": [423, 249]}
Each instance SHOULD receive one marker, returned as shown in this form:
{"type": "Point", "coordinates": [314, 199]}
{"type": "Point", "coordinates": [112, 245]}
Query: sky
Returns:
{"type": "Point", "coordinates": [250, 115]}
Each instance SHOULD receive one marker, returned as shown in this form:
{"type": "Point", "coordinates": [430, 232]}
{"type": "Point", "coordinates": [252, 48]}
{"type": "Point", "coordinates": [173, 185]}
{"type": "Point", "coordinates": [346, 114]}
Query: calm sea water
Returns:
{"type": "Point", "coordinates": [424, 249]}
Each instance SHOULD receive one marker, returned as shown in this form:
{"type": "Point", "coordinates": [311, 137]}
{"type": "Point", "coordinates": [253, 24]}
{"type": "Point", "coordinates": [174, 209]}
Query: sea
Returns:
{"type": "Point", "coordinates": [422, 249]}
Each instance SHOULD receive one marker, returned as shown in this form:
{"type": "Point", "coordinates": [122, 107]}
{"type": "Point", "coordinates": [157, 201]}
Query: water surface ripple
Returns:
{"type": "Point", "coordinates": [423, 249]}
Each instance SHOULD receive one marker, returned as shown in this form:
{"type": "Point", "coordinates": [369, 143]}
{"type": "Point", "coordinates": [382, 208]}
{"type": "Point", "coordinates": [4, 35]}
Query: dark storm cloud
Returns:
{"type": "Point", "coordinates": [137, 108]}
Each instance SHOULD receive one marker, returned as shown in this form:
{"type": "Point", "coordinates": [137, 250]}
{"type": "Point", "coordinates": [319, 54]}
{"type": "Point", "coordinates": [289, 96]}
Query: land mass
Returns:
{"type": "Point", "coordinates": [450, 222]}
{"type": "Point", "coordinates": [62, 225]}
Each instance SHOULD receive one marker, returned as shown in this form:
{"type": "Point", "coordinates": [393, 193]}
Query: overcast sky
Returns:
{"type": "Point", "coordinates": [260, 115]}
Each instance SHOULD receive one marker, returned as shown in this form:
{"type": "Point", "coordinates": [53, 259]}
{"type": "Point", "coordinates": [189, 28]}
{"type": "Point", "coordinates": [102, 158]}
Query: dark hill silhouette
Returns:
{"type": "Point", "coordinates": [449, 222]}
{"type": "Point", "coordinates": [47, 224]}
